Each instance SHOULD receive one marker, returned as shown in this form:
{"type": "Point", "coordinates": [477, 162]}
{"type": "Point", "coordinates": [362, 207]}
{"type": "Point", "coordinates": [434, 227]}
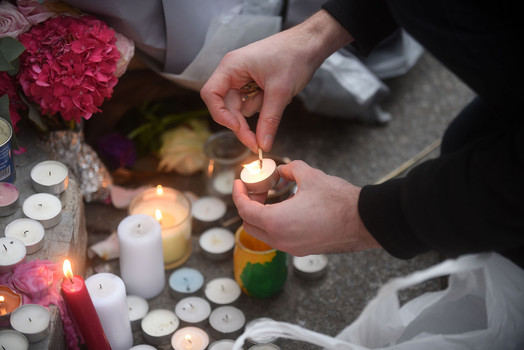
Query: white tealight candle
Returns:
{"type": "Point", "coordinates": [8, 198]}
{"type": "Point", "coordinates": [43, 207]}
{"type": "Point", "coordinates": [224, 344]}
{"type": "Point", "coordinates": [223, 182]}
{"type": "Point", "coordinates": [159, 325]}
{"type": "Point", "coordinates": [227, 322]}
{"type": "Point", "coordinates": [138, 307]}
{"type": "Point", "coordinates": [208, 209]}
{"type": "Point", "coordinates": [12, 253]}
{"type": "Point", "coordinates": [141, 256]}
{"type": "Point", "coordinates": [32, 320]}
{"type": "Point", "coordinates": [222, 291]}
{"type": "Point", "coordinates": [260, 339]}
{"type": "Point", "coordinates": [260, 179]}
{"type": "Point", "coordinates": [185, 281]}
{"type": "Point", "coordinates": [108, 293]}
{"type": "Point", "coordinates": [29, 231]}
{"type": "Point", "coordinates": [264, 347]}
{"type": "Point", "coordinates": [143, 347]}
{"type": "Point", "coordinates": [311, 266]}
{"type": "Point", "coordinates": [50, 176]}
{"type": "Point", "coordinates": [193, 311]}
{"type": "Point", "coordinates": [217, 243]}
{"type": "Point", "coordinates": [11, 339]}
{"type": "Point", "coordinates": [190, 338]}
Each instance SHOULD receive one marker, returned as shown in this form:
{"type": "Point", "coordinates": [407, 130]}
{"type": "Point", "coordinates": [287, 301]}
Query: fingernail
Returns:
{"type": "Point", "coordinates": [267, 143]}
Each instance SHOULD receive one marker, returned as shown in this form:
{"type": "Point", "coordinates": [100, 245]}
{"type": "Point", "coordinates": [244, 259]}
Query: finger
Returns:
{"type": "Point", "coordinates": [294, 171]}
{"type": "Point", "coordinates": [248, 209]}
{"type": "Point", "coordinates": [252, 105]}
{"type": "Point", "coordinates": [275, 101]}
{"type": "Point", "coordinates": [233, 103]}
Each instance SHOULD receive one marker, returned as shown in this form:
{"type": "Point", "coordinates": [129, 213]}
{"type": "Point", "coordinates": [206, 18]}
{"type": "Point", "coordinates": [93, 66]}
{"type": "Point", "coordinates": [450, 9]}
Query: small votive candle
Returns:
{"type": "Point", "coordinates": [310, 266]}
{"type": "Point", "coordinates": [8, 198]}
{"type": "Point", "coordinates": [32, 320]}
{"type": "Point", "coordinates": [184, 282]}
{"type": "Point", "coordinates": [12, 253]}
{"type": "Point", "coordinates": [190, 338]}
{"type": "Point", "coordinates": [29, 231]}
{"type": "Point", "coordinates": [11, 339]}
{"type": "Point", "coordinates": [9, 302]}
{"type": "Point", "coordinates": [43, 207]}
{"type": "Point", "coordinates": [50, 176]}
{"type": "Point", "coordinates": [217, 243]}
{"type": "Point", "coordinates": [208, 209]}
{"type": "Point", "coordinates": [224, 344]}
{"type": "Point", "coordinates": [159, 325]}
{"type": "Point", "coordinates": [222, 291]}
{"type": "Point", "coordinates": [193, 311]}
{"type": "Point", "coordinates": [260, 179]}
{"type": "Point", "coordinates": [227, 322]}
{"type": "Point", "coordinates": [138, 308]}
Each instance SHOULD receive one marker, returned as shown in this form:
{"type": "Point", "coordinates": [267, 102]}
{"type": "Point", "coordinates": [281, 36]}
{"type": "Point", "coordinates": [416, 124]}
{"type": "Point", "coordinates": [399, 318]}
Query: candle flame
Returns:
{"type": "Point", "coordinates": [67, 269]}
{"type": "Point", "coordinates": [159, 190]}
{"type": "Point", "coordinates": [188, 338]}
{"type": "Point", "coordinates": [253, 167]}
{"type": "Point", "coordinates": [2, 298]}
{"type": "Point", "coordinates": [158, 215]}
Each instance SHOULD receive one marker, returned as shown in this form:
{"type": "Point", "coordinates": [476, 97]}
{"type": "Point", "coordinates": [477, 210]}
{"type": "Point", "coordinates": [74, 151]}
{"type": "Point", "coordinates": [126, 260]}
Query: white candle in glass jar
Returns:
{"type": "Point", "coordinates": [108, 293]}
{"type": "Point", "coordinates": [217, 243]}
{"type": "Point", "coordinates": [8, 198]}
{"type": "Point", "coordinates": [50, 176]}
{"type": "Point", "coordinates": [193, 310]}
{"type": "Point", "coordinates": [12, 253]}
{"type": "Point", "coordinates": [222, 291]}
{"type": "Point", "coordinates": [43, 207]}
{"type": "Point", "coordinates": [190, 338]}
{"type": "Point", "coordinates": [138, 308]}
{"type": "Point", "coordinates": [11, 339]}
{"type": "Point", "coordinates": [141, 255]}
{"type": "Point", "coordinates": [227, 322]}
{"type": "Point", "coordinates": [29, 231]}
{"type": "Point", "coordinates": [208, 209]}
{"type": "Point", "coordinates": [159, 325]}
{"type": "Point", "coordinates": [32, 320]}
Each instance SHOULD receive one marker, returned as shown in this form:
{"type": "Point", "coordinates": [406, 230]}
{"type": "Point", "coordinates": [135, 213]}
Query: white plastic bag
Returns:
{"type": "Point", "coordinates": [482, 308]}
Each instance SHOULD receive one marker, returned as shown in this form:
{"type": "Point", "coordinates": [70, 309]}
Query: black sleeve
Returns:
{"type": "Point", "coordinates": [468, 201]}
{"type": "Point", "coordinates": [368, 21]}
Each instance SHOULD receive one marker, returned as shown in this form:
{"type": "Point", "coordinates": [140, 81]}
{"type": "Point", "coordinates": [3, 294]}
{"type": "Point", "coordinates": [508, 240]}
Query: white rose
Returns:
{"type": "Point", "coordinates": [12, 21]}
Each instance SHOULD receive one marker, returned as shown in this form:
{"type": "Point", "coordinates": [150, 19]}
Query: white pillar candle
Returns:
{"type": "Point", "coordinates": [32, 320]}
{"type": "Point", "coordinates": [224, 344]}
{"type": "Point", "coordinates": [141, 256]}
{"type": "Point", "coordinates": [190, 338]}
{"type": "Point", "coordinates": [138, 308]}
{"type": "Point", "coordinates": [12, 253]}
{"type": "Point", "coordinates": [173, 211]}
{"type": "Point", "coordinates": [43, 207]}
{"type": "Point", "coordinates": [159, 325]}
{"type": "Point", "coordinates": [108, 293]}
{"type": "Point", "coordinates": [8, 198]}
{"type": "Point", "coordinates": [227, 322]}
{"type": "Point", "coordinates": [208, 209]}
{"type": "Point", "coordinates": [222, 291]}
{"type": "Point", "coordinates": [260, 179]}
{"type": "Point", "coordinates": [185, 281]}
{"type": "Point", "coordinates": [217, 243]}
{"type": "Point", "coordinates": [193, 311]}
{"type": "Point", "coordinates": [29, 231]}
{"type": "Point", "coordinates": [50, 176]}
{"type": "Point", "coordinates": [11, 339]}
{"type": "Point", "coordinates": [310, 266]}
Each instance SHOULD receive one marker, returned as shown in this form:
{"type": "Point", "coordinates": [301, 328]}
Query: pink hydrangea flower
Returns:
{"type": "Point", "coordinates": [69, 65]}
{"type": "Point", "coordinates": [7, 86]}
{"type": "Point", "coordinates": [12, 21]}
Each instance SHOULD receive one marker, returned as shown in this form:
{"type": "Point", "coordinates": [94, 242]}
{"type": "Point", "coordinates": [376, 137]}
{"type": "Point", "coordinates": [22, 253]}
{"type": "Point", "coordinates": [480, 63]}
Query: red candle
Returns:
{"type": "Point", "coordinates": [81, 306]}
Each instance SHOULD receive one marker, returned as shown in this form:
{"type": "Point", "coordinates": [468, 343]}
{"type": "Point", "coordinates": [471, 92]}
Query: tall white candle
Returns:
{"type": "Point", "coordinates": [43, 207]}
{"type": "Point", "coordinates": [193, 310]}
{"type": "Point", "coordinates": [29, 231]}
{"type": "Point", "coordinates": [32, 320]}
{"type": "Point", "coordinates": [12, 253]}
{"type": "Point", "coordinates": [108, 293]}
{"type": "Point", "coordinates": [222, 290]}
{"type": "Point", "coordinates": [50, 176]}
{"type": "Point", "coordinates": [141, 256]}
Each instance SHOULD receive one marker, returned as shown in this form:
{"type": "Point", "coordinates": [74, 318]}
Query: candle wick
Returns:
{"type": "Point", "coordinates": [226, 319]}
{"type": "Point", "coordinates": [187, 288]}
{"type": "Point", "coordinates": [25, 232]}
{"type": "Point", "coordinates": [30, 320]}
{"type": "Point", "coordinates": [189, 341]}
{"type": "Point", "coordinates": [100, 285]}
{"type": "Point", "coordinates": [40, 204]}
{"type": "Point", "coordinates": [222, 287]}
{"type": "Point", "coordinates": [5, 247]}
{"type": "Point", "coordinates": [3, 347]}
{"type": "Point", "coordinates": [71, 279]}
{"type": "Point", "coordinates": [49, 172]}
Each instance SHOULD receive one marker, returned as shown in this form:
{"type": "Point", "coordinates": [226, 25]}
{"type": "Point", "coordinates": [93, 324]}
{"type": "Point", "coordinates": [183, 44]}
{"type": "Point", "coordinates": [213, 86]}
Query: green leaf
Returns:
{"type": "Point", "coordinates": [10, 50]}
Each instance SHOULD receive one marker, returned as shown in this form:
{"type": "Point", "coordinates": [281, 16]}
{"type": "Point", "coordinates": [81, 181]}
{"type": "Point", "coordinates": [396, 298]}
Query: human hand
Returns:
{"type": "Point", "coordinates": [281, 66]}
{"type": "Point", "coordinates": [322, 217]}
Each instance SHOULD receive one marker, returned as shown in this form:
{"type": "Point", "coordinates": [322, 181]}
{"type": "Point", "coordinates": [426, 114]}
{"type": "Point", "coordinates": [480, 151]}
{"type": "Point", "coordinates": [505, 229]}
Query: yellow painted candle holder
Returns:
{"type": "Point", "coordinates": [260, 270]}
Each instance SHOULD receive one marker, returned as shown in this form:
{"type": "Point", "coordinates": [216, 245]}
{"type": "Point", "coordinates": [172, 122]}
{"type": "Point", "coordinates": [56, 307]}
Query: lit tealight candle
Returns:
{"type": "Point", "coordinates": [8, 198]}
{"type": "Point", "coordinates": [138, 308]}
{"type": "Point", "coordinates": [12, 253]}
{"type": "Point", "coordinates": [43, 207]}
{"type": "Point", "coordinates": [217, 243]}
{"type": "Point", "coordinates": [50, 176]}
{"type": "Point", "coordinates": [193, 311]}
{"type": "Point", "coordinates": [260, 178]}
{"type": "Point", "coordinates": [227, 322]}
{"type": "Point", "coordinates": [32, 320]}
{"type": "Point", "coordinates": [9, 302]}
{"type": "Point", "coordinates": [159, 325]}
{"type": "Point", "coordinates": [222, 291]}
{"type": "Point", "coordinates": [29, 231]}
{"type": "Point", "coordinates": [311, 266]}
{"type": "Point", "coordinates": [185, 281]}
{"type": "Point", "coordinates": [11, 339]}
{"type": "Point", "coordinates": [190, 338]}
